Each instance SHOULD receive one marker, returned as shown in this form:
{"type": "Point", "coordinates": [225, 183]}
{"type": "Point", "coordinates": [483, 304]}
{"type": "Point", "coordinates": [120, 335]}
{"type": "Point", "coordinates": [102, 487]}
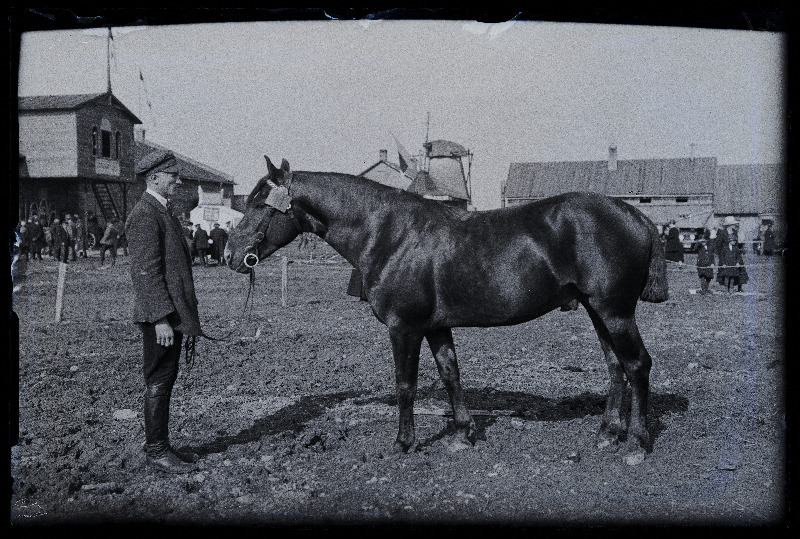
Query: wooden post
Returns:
{"type": "Point", "coordinates": [62, 273]}
{"type": "Point", "coordinates": [284, 280]}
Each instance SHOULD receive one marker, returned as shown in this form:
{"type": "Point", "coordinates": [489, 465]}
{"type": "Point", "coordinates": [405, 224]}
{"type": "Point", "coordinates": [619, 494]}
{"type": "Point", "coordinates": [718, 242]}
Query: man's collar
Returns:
{"type": "Point", "coordinates": [158, 197]}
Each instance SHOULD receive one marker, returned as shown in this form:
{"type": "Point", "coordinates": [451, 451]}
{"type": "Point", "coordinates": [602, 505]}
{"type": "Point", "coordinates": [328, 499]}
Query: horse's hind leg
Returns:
{"type": "Point", "coordinates": [611, 428]}
{"type": "Point", "coordinates": [441, 343]}
{"type": "Point", "coordinates": [622, 334]}
{"type": "Point", "coordinates": [405, 348]}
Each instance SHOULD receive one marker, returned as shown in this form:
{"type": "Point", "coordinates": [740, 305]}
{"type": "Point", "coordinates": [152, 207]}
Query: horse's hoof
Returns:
{"type": "Point", "coordinates": [634, 458]}
{"type": "Point", "coordinates": [398, 448]}
{"type": "Point", "coordinates": [457, 443]}
{"type": "Point", "coordinates": [607, 440]}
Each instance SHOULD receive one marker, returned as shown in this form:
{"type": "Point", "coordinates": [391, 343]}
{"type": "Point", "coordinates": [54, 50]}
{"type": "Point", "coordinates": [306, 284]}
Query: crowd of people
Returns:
{"type": "Point", "coordinates": [720, 245]}
{"type": "Point", "coordinates": [206, 246]}
{"type": "Point", "coordinates": [64, 239]}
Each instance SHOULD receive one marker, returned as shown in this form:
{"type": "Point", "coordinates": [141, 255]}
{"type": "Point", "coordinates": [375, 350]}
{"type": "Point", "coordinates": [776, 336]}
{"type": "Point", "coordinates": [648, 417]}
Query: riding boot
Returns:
{"type": "Point", "coordinates": [189, 457]}
{"type": "Point", "coordinates": [156, 425]}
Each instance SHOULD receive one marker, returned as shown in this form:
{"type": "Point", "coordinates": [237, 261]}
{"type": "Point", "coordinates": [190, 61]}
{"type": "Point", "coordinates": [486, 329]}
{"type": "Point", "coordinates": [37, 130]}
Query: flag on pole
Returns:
{"type": "Point", "coordinates": [407, 163]}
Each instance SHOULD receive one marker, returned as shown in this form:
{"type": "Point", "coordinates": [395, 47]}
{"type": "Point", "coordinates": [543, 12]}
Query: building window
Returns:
{"type": "Point", "coordinates": [645, 200]}
{"type": "Point", "coordinates": [681, 199]}
{"type": "Point", "coordinates": [105, 141]}
{"type": "Point", "coordinates": [94, 141]}
{"type": "Point", "coordinates": [117, 138]}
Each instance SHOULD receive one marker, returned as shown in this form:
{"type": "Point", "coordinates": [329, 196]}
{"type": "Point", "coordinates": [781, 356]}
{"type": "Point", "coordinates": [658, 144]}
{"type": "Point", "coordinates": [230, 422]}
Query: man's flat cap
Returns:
{"type": "Point", "coordinates": [157, 162]}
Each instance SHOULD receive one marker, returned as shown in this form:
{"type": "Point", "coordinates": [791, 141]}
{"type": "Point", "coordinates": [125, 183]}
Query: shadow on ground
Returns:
{"type": "Point", "coordinates": [528, 407]}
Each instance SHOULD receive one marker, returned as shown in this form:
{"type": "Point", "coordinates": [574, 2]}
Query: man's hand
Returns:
{"type": "Point", "coordinates": [164, 334]}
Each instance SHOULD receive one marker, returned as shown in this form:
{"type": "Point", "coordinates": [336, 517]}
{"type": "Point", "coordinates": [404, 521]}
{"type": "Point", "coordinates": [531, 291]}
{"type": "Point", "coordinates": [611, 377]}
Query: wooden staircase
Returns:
{"type": "Point", "coordinates": [105, 201]}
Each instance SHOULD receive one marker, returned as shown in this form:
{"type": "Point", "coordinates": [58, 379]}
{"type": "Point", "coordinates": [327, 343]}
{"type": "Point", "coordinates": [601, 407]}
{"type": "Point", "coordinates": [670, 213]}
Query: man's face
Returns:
{"type": "Point", "coordinates": [166, 182]}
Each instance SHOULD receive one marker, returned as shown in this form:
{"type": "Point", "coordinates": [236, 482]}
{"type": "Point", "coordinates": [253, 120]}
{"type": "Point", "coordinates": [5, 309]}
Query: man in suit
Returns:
{"type": "Point", "coordinates": [201, 244]}
{"type": "Point", "coordinates": [220, 238]}
{"type": "Point", "coordinates": [165, 304]}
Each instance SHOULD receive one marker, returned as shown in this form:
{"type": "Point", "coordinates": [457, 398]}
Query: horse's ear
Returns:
{"type": "Point", "coordinates": [285, 165]}
{"type": "Point", "coordinates": [270, 168]}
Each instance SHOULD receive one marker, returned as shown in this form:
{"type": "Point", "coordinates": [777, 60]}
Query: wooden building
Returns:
{"type": "Point", "coordinates": [76, 156]}
{"type": "Point", "coordinates": [680, 189]}
{"type": "Point", "coordinates": [755, 195]}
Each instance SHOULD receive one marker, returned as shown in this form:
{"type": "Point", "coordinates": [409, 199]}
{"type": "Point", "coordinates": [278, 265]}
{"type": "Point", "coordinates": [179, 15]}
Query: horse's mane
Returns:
{"type": "Point", "coordinates": [372, 195]}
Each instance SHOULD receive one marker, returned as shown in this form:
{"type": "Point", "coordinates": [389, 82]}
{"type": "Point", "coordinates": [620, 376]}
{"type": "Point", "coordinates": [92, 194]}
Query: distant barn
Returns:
{"type": "Point", "coordinates": [755, 195]}
{"type": "Point", "coordinates": [696, 192]}
{"type": "Point", "coordinates": [664, 189]}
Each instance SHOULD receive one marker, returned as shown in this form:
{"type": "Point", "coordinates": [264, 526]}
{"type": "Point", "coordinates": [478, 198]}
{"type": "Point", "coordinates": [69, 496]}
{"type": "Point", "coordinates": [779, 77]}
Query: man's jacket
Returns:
{"type": "Point", "coordinates": [161, 268]}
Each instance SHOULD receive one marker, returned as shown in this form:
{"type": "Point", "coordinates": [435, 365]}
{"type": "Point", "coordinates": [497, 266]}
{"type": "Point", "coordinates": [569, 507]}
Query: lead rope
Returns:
{"type": "Point", "coordinates": [191, 342]}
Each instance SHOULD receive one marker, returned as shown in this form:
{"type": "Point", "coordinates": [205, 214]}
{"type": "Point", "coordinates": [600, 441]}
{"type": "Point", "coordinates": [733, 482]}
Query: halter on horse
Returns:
{"type": "Point", "coordinates": [428, 268]}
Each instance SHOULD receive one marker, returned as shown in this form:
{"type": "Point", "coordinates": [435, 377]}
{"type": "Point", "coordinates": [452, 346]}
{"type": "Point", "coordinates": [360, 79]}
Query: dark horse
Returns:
{"type": "Point", "coordinates": [427, 268]}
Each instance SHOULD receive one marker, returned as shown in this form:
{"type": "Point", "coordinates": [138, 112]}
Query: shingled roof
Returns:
{"type": "Point", "coordinates": [189, 168]}
{"type": "Point", "coordinates": [672, 176]}
{"type": "Point", "coordinates": [755, 188]}
{"type": "Point", "coordinates": [68, 102]}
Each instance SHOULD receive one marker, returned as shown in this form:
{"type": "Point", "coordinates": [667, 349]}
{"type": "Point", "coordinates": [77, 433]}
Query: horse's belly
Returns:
{"type": "Point", "coordinates": [494, 303]}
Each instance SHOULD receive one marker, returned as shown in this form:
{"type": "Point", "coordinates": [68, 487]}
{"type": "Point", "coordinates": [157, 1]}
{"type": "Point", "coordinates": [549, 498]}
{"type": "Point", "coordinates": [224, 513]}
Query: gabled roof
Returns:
{"type": "Point", "coordinates": [393, 166]}
{"type": "Point", "coordinates": [69, 102]}
{"type": "Point", "coordinates": [755, 188]}
{"type": "Point", "coordinates": [189, 168]}
{"type": "Point", "coordinates": [387, 173]}
{"type": "Point", "coordinates": [672, 176]}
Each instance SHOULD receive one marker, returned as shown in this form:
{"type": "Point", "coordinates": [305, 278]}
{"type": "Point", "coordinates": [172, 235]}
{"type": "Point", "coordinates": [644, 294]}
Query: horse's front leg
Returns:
{"type": "Point", "coordinates": [405, 347]}
{"type": "Point", "coordinates": [441, 343]}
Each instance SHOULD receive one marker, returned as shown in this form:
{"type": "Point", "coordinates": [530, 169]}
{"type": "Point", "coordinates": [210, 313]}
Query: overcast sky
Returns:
{"type": "Point", "coordinates": [328, 95]}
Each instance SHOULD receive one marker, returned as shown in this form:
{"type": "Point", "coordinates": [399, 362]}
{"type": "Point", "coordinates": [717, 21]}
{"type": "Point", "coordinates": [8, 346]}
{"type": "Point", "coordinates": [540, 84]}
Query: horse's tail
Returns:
{"type": "Point", "coordinates": [656, 288]}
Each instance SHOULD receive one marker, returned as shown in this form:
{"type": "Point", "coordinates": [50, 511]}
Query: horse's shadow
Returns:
{"type": "Point", "coordinates": [537, 408]}
{"type": "Point", "coordinates": [528, 407]}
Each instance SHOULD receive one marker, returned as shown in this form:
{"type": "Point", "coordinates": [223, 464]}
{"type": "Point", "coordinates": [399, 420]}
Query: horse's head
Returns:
{"type": "Point", "coordinates": [268, 223]}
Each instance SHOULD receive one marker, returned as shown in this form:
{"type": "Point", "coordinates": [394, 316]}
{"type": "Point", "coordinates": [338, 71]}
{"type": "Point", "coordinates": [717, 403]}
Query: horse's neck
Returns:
{"type": "Point", "coordinates": [337, 209]}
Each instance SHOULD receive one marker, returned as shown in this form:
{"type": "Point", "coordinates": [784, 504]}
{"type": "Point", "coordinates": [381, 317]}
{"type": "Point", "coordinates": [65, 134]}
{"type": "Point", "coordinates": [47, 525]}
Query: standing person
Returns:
{"type": "Point", "coordinates": [24, 239]}
{"type": "Point", "coordinates": [731, 270]}
{"type": "Point", "coordinates": [186, 227]}
{"type": "Point", "coordinates": [64, 241]}
{"type": "Point", "coordinates": [60, 240]}
{"type": "Point", "coordinates": [201, 243]}
{"type": "Point", "coordinates": [69, 226]}
{"type": "Point", "coordinates": [109, 241]}
{"type": "Point", "coordinates": [219, 238]}
{"type": "Point", "coordinates": [673, 249]}
{"type": "Point", "coordinates": [93, 227]}
{"type": "Point", "coordinates": [165, 305]}
{"type": "Point", "coordinates": [705, 259]}
{"type": "Point", "coordinates": [769, 241]}
{"type": "Point", "coordinates": [37, 237]}
{"type": "Point", "coordinates": [51, 233]}
{"type": "Point", "coordinates": [77, 237]}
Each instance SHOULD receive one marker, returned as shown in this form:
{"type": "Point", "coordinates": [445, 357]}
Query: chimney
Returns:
{"type": "Point", "coordinates": [383, 154]}
{"type": "Point", "coordinates": [612, 158]}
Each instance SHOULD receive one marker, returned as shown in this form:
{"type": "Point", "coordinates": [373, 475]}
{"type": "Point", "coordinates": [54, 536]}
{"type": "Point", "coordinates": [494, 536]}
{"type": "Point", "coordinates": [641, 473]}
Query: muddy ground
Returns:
{"type": "Point", "coordinates": [294, 412]}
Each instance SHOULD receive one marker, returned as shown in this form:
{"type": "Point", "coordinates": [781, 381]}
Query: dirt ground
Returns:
{"type": "Point", "coordinates": [294, 411]}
